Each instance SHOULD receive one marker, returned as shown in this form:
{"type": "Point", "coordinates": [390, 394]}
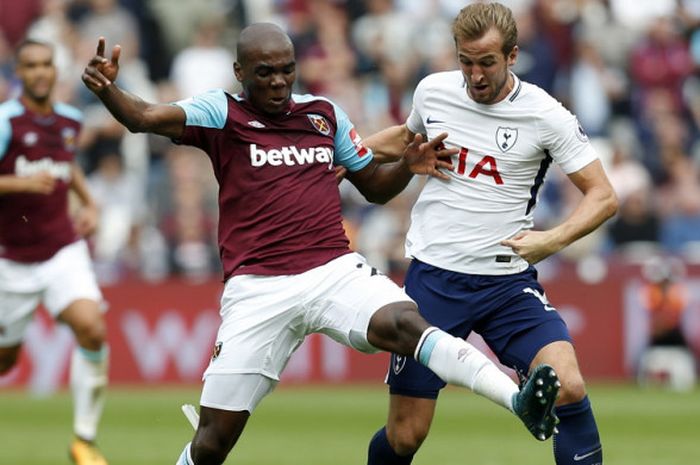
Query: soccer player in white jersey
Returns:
{"type": "Point", "coordinates": [287, 265]}
{"type": "Point", "coordinates": [471, 237]}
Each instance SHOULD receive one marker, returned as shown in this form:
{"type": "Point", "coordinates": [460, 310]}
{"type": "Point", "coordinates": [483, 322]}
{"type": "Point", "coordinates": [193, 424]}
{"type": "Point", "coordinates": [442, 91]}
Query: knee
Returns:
{"type": "Point", "coordinates": [573, 389]}
{"type": "Point", "coordinates": [409, 321]}
{"type": "Point", "coordinates": [407, 439]}
{"type": "Point", "coordinates": [397, 328]}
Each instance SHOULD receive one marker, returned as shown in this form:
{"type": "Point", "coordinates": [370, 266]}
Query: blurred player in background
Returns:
{"type": "Point", "coordinates": [471, 237]}
{"type": "Point", "coordinates": [287, 266]}
{"type": "Point", "coordinates": [43, 258]}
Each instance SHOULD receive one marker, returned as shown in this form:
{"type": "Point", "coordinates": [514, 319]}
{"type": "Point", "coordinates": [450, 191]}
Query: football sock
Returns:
{"type": "Point", "coordinates": [381, 453]}
{"type": "Point", "coordinates": [457, 362]}
{"type": "Point", "coordinates": [185, 457]}
{"type": "Point", "coordinates": [88, 380]}
{"type": "Point", "coordinates": [578, 442]}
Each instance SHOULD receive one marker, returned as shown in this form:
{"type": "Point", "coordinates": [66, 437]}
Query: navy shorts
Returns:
{"type": "Point", "coordinates": [509, 311]}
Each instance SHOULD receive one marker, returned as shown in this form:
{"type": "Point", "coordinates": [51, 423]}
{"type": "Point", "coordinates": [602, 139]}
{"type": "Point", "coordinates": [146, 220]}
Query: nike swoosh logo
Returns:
{"type": "Point", "coordinates": [432, 121]}
{"type": "Point", "coordinates": [578, 458]}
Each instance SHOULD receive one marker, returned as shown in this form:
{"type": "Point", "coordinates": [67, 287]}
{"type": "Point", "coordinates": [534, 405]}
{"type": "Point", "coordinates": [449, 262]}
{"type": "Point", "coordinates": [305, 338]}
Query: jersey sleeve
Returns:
{"type": "Point", "coordinates": [203, 113]}
{"type": "Point", "coordinates": [414, 122]}
{"type": "Point", "coordinates": [349, 150]}
{"type": "Point", "coordinates": [565, 139]}
{"type": "Point", "coordinates": [8, 110]}
{"type": "Point", "coordinates": [5, 135]}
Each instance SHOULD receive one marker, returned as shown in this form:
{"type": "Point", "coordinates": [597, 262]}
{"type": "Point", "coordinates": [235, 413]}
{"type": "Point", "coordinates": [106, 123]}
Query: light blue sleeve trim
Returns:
{"type": "Point", "coordinates": [68, 111]}
{"type": "Point", "coordinates": [208, 110]}
{"type": "Point", "coordinates": [346, 150]}
{"type": "Point", "coordinates": [8, 110]}
{"type": "Point", "coordinates": [426, 350]}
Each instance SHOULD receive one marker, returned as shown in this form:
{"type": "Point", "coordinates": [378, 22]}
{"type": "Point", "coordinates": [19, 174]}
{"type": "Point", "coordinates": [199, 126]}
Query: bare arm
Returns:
{"type": "Point", "coordinates": [389, 144]}
{"type": "Point", "coordinates": [40, 183]}
{"type": "Point", "coordinates": [134, 113]}
{"type": "Point", "coordinates": [599, 203]}
{"type": "Point", "coordinates": [88, 216]}
{"type": "Point", "coordinates": [380, 182]}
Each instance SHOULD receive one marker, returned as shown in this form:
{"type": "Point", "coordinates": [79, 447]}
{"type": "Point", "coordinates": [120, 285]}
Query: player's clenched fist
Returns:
{"type": "Point", "coordinates": [100, 71]}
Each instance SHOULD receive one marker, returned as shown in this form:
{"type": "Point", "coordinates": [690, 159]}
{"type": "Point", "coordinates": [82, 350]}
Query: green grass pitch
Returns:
{"type": "Point", "coordinates": [331, 426]}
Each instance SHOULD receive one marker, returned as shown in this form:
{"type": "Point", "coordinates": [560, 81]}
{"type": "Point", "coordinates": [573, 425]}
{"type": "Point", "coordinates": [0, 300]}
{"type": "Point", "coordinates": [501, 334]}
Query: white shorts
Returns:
{"type": "Point", "coordinates": [57, 282]}
{"type": "Point", "coordinates": [266, 318]}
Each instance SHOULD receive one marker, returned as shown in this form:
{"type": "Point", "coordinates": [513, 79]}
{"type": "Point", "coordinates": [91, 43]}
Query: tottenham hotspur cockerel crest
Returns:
{"type": "Point", "coordinates": [505, 138]}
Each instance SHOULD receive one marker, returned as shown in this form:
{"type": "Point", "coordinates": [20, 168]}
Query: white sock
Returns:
{"type": "Point", "coordinates": [186, 456]}
{"type": "Point", "coordinates": [88, 380]}
{"type": "Point", "coordinates": [459, 363]}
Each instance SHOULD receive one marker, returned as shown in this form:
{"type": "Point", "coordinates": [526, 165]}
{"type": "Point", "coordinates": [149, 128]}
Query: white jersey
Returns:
{"type": "Point", "coordinates": [505, 151]}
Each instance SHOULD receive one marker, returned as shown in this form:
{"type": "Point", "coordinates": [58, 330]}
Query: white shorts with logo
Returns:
{"type": "Point", "coordinates": [57, 282]}
{"type": "Point", "coordinates": [266, 318]}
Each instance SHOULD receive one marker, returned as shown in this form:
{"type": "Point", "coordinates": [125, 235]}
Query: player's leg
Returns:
{"type": "Point", "coordinates": [527, 332]}
{"type": "Point", "coordinates": [578, 440]}
{"type": "Point", "coordinates": [73, 297]}
{"type": "Point", "coordinates": [226, 404]}
{"type": "Point", "coordinates": [367, 311]}
{"type": "Point", "coordinates": [88, 376]}
{"type": "Point", "coordinates": [454, 302]}
{"type": "Point", "coordinates": [406, 428]}
{"type": "Point", "coordinates": [16, 312]}
{"type": "Point", "coordinates": [400, 329]}
{"type": "Point", "coordinates": [262, 323]}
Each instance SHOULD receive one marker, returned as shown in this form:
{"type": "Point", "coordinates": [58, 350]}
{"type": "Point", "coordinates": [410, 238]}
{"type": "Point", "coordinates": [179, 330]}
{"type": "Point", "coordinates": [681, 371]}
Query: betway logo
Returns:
{"type": "Point", "coordinates": [58, 169]}
{"type": "Point", "coordinates": [290, 156]}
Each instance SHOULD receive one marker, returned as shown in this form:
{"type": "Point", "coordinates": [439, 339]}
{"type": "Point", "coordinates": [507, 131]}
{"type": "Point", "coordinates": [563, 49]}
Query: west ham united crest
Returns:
{"type": "Point", "coordinates": [397, 363]}
{"type": "Point", "coordinates": [217, 350]}
{"type": "Point", "coordinates": [69, 138]}
{"type": "Point", "coordinates": [505, 138]}
{"type": "Point", "coordinates": [320, 123]}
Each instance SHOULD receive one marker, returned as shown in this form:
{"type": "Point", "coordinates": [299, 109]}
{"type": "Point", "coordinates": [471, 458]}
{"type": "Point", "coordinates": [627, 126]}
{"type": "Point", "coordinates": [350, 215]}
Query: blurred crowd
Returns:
{"type": "Point", "coordinates": [630, 70]}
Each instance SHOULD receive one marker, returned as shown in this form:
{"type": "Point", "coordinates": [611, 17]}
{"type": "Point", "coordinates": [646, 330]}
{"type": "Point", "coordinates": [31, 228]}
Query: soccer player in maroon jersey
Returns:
{"type": "Point", "coordinates": [43, 257]}
{"type": "Point", "coordinates": [288, 269]}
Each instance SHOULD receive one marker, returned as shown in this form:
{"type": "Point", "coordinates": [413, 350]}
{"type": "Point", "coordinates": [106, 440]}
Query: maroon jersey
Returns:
{"type": "Point", "coordinates": [279, 205]}
{"type": "Point", "coordinates": [33, 227]}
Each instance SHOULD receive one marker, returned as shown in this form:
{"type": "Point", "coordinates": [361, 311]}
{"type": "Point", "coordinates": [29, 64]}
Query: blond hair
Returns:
{"type": "Point", "coordinates": [475, 20]}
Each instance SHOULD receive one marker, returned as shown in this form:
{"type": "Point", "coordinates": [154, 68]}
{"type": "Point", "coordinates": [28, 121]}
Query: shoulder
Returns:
{"type": "Point", "coordinates": [309, 103]}
{"type": "Point", "coordinates": [312, 100]}
{"type": "Point", "coordinates": [209, 109]}
{"type": "Point", "coordinates": [214, 96]}
{"type": "Point", "coordinates": [10, 109]}
{"type": "Point", "coordinates": [442, 80]}
{"type": "Point", "coordinates": [536, 99]}
{"type": "Point", "coordinates": [68, 111]}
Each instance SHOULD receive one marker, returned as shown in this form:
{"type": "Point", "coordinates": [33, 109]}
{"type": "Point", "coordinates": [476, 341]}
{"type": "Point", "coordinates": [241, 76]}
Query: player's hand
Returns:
{"type": "Point", "coordinates": [533, 246]}
{"type": "Point", "coordinates": [100, 71]}
{"type": "Point", "coordinates": [86, 220]}
{"type": "Point", "coordinates": [40, 183]}
{"type": "Point", "coordinates": [429, 157]}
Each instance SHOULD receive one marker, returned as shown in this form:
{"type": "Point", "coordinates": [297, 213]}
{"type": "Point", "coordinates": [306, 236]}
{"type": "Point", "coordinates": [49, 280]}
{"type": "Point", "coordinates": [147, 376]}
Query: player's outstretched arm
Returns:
{"type": "Point", "coordinates": [389, 144]}
{"type": "Point", "coordinates": [39, 183]}
{"type": "Point", "coordinates": [380, 182]}
{"type": "Point", "coordinates": [134, 113]}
